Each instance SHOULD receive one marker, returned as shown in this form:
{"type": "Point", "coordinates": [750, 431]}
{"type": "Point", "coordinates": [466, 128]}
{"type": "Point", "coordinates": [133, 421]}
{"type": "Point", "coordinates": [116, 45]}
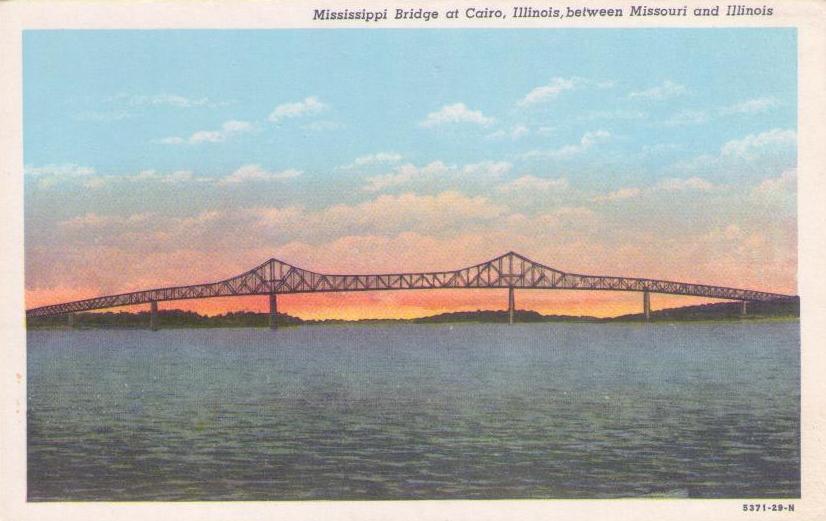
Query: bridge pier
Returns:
{"type": "Point", "coordinates": [70, 320]}
{"type": "Point", "coordinates": [511, 305]}
{"type": "Point", "coordinates": [153, 315]}
{"type": "Point", "coordinates": [273, 311]}
{"type": "Point", "coordinates": [744, 308]}
{"type": "Point", "coordinates": [646, 305]}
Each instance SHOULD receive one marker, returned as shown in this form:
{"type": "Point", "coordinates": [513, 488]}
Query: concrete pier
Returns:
{"type": "Point", "coordinates": [70, 320]}
{"type": "Point", "coordinates": [646, 305]}
{"type": "Point", "coordinates": [511, 305]}
{"type": "Point", "coordinates": [273, 311]}
{"type": "Point", "coordinates": [153, 316]}
{"type": "Point", "coordinates": [744, 308]}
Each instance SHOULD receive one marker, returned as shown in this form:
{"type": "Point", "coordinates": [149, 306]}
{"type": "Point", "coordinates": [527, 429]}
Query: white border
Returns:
{"type": "Point", "coordinates": [808, 16]}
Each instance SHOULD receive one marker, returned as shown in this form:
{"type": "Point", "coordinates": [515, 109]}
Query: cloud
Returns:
{"type": "Point", "coordinates": [95, 220]}
{"type": "Point", "coordinates": [614, 114]}
{"type": "Point", "coordinates": [248, 173]}
{"type": "Point", "coordinates": [456, 113]}
{"type": "Point", "coordinates": [777, 191]}
{"type": "Point", "coordinates": [412, 211]}
{"type": "Point", "coordinates": [308, 106]}
{"type": "Point", "coordinates": [665, 185]}
{"type": "Point", "coordinates": [666, 90]}
{"type": "Point", "coordinates": [688, 117]}
{"type": "Point", "coordinates": [172, 100]}
{"type": "Point", "coordinates": [752, 106]}
{"type": "Point", "coordinates": [548, 92]}
{"type": "Point", "coordinates": [62, 170]}
{"type": "Point", "coordinates": [228, 130]}
{"type": "Point", "coordinates": [755, 156]}
{"type": "Point", "coordinates": [165, 100]}
{"type": "Point", "coordinates": [103, 116]}
{"type": "Point", "coordinates": [531, 184]}
{"type": "Point", "coordinates": [405, 174]}
{"type": "Point", "coordinates": [48, 176]}
{"type": "Point", "coordinates": [380, 158]}
{"type": "Point", "coordinates": [491, 169]}
{"type": "Point", "coordinates": [787, 180]}
{"type": "Point", "coordinates": [679, 185]}
{"type": "Point", "coordinates": [754, 145]}
{"type": "Point", "coordinates": [178, 176]}
{"type": "Point", "coordinates": [618, 195]}
{"type": "Point", "coordinates": [588, 140]}
{"type": "Point", "coordinates": [515, 133]}
{"type": "Point", "coordinates": [437, 173]}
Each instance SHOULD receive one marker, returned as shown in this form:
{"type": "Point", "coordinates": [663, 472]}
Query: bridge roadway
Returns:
{"type": "Point", "coordinates": [511, 271]}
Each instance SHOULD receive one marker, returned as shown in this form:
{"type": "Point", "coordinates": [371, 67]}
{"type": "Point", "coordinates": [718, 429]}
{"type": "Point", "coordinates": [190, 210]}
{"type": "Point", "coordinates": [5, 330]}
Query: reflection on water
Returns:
{"type": "Point", "coordinates": [415, 412]}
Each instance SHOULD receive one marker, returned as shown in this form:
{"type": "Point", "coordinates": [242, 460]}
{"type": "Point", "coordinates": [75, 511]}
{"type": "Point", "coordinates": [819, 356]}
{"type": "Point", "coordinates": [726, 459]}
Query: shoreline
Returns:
{"type": "Point", "coordinates": [415, 322]}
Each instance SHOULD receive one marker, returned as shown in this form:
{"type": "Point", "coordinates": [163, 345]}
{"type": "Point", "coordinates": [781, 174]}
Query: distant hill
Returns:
{"type": "Point", "coordinates": [173, 318]}
{"type": "Point", "coordinates": [785, 308]}
{"type": "Point", "coordinates": [519, 315]}
{"type": "Point", "coordinates": [176, 318]}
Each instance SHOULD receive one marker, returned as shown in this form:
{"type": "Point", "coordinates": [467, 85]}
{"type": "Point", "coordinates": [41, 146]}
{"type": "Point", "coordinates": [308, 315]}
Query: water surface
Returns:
{"type": "Point", "coordinates": [415, 412]}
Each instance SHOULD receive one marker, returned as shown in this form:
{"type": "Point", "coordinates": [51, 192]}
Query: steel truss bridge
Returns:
{"type": "Point", "coordinates": [511, 271]}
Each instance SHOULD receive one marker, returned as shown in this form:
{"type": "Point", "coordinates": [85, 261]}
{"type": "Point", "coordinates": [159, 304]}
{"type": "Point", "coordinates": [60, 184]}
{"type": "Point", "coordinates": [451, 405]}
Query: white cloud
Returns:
{"type": "Point", "coordinates": [64, 170]}
{"type": "Point", "coordinates": [666, 90]}
{"type": "Point", "coordinates": [754, 145]}
{"type": "Point", "coordinates": [532, 184]}
{"type": "Point", "coordinates": [766, 154]}
{"type": "Point", "coordinates": [385, 214]}
{"type": "Point", "coordinates": [172, 100]}
{"type": "Point", "coordinates": [456, 113]}
{"type": "Point", "coordinates": [404, 174]}
{"type": "Point", "coordinates": [752, 106]}
{"type": "Point", "coordinates": [780, 190]}
{"type": "Point", "coordinates": [514, 133]}
{"type": "Point", "coordinates": [165, 99]}
{"type": "Point", "coordinates": [487, 169]}
{"type": "Point", "coordinates": [228, 130]}
{"type": "Point", "coordinates": [665, 185]}
{"type": "Point", "coordinates": [688, 117]}
{"type": "Point", "coordinates": [588, 140]}
{"type": "Point", "coordinates": [95, 220]}
{"type": "Point", "coordinates": [679, 185]}
{"type": "Point", "coordinates": [178, 176]}
{"type": "Point", "coordinates": [785, 181]}
{"type": "Point", "coordinates": [548, 92]}
{"type": "Point", "coordinates": [103, 116]}
{"type": "Point", "coordinates": [379, 158]}
{"type": "Point", "coordinates": [256, 173]}
{"type": "Point", "coordinates": [307, 106]}
{"type": "Point", "coordinates": [614, 114]}
{"type": "Point", "coordinates": [618, 195]}
{"type": "Point", "coordinates": [437, 173]}
{"type": "Point", "coordinates": [49, 175]}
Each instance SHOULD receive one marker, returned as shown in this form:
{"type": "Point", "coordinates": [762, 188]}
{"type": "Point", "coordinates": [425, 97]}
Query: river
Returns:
{"type": "Point", "coordinates": [406, 411]}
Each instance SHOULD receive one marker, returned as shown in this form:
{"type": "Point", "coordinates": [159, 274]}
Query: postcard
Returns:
{"type": "Point", "coordinates": [395, 260]}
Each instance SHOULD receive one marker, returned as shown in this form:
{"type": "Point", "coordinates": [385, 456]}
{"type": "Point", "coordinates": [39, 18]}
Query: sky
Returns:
{"type": "Point", "coordinates": [156, 158]}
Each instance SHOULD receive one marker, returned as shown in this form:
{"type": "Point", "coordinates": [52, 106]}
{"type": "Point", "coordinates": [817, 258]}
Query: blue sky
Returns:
{"type": "Point", "coordinates": [620, 125]}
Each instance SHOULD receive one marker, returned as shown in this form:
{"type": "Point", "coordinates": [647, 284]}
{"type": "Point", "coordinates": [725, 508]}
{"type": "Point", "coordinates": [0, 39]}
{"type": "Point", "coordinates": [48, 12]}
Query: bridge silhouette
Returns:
{"type": "Point", "coordinates": [511, 270]}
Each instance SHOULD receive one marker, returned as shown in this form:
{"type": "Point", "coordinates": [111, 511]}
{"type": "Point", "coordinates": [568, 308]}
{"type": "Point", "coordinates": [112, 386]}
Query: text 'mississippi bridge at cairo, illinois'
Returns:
{"type": "Point", "coordinates": [511, 270]}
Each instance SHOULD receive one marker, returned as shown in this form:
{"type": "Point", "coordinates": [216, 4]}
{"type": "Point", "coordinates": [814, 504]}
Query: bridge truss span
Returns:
{"type": "Point", "coordinates": [511, 270]}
